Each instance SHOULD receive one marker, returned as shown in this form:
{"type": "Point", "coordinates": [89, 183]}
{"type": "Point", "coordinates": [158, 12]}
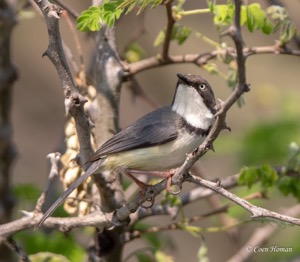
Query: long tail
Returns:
{"type": "Point", "coordinates": [91, 170]}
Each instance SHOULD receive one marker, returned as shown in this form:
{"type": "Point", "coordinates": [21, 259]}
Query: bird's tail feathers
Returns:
{"type": "Point", "coordinates": [91, 170]}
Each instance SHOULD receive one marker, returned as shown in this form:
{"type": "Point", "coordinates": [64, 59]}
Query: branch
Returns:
{"type": "Point", "coordinates": [257, 212]}
{"type": "Point", "coordinates": [54, 171]}
{"type": "Point", "coordinates": [186, 221]}
{"type": "Point", "coordinates": [220, 123]}
{"type": "Point", "coordinates": [96, 219]}
{"type": "Point", "coordinates": [169, 30]}
{"type": "Point", "coordinates": [74, 102]}
{"type": "Point", "coordinates": [12, 244]}
{"type": "Point", "coordinates": [202, 59]}
{"type": "Point", "coordinates": [261, 235]}
{"type": "Point", "coordinates": [72, 12]}
{"type": "Point", "coordinates": [8, 75]}
{"type": "Point", "coordinates": [195, 194]}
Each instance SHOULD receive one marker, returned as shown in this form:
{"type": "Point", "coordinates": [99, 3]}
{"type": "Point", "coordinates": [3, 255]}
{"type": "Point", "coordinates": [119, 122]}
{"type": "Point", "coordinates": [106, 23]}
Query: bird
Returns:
{"type": "Point", "coordinates": [158, 142]}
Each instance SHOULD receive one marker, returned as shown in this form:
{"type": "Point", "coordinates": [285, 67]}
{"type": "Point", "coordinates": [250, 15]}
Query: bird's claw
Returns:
{"type": "Point", "coordinates": [174, 192]}
{"type": "Point", "coordinates": [150, 200]}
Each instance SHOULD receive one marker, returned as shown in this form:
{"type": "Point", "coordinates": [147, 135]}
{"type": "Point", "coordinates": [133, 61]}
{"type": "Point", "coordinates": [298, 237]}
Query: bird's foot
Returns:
{"type": "Point", "coordinates": [166, 174]}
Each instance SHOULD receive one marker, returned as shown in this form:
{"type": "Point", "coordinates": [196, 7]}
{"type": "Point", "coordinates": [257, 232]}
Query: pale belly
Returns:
{"type": "Point", "coordinates": [157, 158]}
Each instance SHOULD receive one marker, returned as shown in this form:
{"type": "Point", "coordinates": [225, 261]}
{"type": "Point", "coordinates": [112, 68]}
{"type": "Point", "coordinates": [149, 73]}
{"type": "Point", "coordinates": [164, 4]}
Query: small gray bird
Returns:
{"type": "Point", "coordinates": [158, 142]}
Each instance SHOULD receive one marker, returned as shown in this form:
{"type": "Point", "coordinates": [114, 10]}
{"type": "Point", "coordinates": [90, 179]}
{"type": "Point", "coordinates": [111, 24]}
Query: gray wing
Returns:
{"type": "Point", "coordinates": [157, 127]}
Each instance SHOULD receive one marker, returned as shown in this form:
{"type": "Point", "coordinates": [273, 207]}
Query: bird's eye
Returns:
{"type": "Point", "coordinates": [202, 86]}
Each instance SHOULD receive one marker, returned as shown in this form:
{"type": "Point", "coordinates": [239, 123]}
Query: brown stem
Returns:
{"type": "Point", "coordinates": [169, 30]}
{"type": "Point", "coordinates": [8, 75]}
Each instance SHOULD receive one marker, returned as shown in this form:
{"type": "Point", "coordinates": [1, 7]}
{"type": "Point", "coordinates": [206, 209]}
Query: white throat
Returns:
{"type": "Point", "coordinates": [189, 104]}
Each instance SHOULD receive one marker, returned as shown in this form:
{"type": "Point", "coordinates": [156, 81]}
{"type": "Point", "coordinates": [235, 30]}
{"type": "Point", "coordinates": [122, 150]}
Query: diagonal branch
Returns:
{"type": "Point", "coordinates": [54, 171]}
{"type": "Point", "coordinates": [257, 212]}
{"type": "Point", "coordinates": [259, 236]}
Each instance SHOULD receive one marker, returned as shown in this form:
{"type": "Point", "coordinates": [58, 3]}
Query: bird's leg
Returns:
{"type": "Point", "coordinates": [141, 184]}
{"type": "Point", "coordinates": [166, 174]}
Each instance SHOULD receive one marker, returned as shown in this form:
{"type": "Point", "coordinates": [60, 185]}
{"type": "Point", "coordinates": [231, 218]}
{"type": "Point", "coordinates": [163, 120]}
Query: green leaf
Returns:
{"type": "Point", "coordinates": [288, 32]}
{"type": "Point", "coordinates": [183, 35]}
{"type": "Point", "coordinates": [243, 19]}
{"type": "Point", "coordinates": [160, 38]}
{"type": "Point", "coordinates": [171, 200]}
{"type": "Point", "coordinates": [143, 257]}
{"type": "Point", "coordinates": [89, 19]}
{"type": "Point", "coordinates": [203, 253]}
{"type": "Point", "coordinates": [285, 185]}
{"type": "Point", "coordinates": [255, 17]}
{"type": "Point", "coordinates": [211, 68]}
{"type": "Point", "coordinates": [48, 257]}
{"type": "Point", "coordinates": [223, 14]}
{"type": "Point", "coordinates": [162, 257]}
{"type": "Point", "coordinates": [248, 176]}
{"type": "Point", "coordinates": [55, 242]}
{"type": "Point", "coordinates": [268, 27]}
{"type": "Point", "coordinates": [267, 176]}
{"type": "Point", "coordinates": [134, 53]}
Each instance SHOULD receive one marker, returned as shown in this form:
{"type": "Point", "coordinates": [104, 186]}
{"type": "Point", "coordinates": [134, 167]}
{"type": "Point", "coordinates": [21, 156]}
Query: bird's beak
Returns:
{"type": "Point", "coordinates": [183, 78]}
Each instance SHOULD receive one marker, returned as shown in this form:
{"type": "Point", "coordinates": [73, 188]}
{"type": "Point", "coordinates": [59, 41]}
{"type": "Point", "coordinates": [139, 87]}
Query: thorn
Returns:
{"type": "Point", "coordinates": [45, 54]}
{"type": "Point", "coordinates": [226, 127]}
{"type": "Point", "coordinates": [174, 193]}
{"type": "Point", "coordinates": [247, 87]}
{"type": "Point", "coordinates": [211, 147]}
{"type": "Point", "coordinates": [219, 182]}
{"type": "Point", "coordinates": [194, 152]}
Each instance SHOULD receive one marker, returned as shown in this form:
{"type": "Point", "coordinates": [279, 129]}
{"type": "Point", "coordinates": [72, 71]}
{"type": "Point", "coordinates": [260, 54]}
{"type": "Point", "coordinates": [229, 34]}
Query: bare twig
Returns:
{"type": "Point", "coordinates": [261, 235]}
{"type": "Point", "coordinates": [72, 12]}
{"type": "Point", "coordinates": [54, 171]}
{"type": "Point", "coordinates": [195, 194]}
{"type": "Point", "coordinates": [78, 44]}
{"type": "Point", "coordinates": [202, 59]}
{"type": "Point", "coordinates": [12, 244]}
{"type": "Point", "coordinates": [257, 212]}
{"type": "Point", "coordinates": [178, 225]}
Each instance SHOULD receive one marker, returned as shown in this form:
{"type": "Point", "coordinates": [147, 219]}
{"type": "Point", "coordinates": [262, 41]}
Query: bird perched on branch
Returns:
{"type": "Point", "coordinates": [157, 143]}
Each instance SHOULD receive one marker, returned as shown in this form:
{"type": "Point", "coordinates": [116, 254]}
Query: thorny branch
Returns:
{"type": "Point", "coordinates": [54, 171]}
{"type": "Point", "coordinates": [74, 102]}
{"type": "Point", "coordinates": [202, 59]}
{"type": "Point", "coordinates": [12, 244]}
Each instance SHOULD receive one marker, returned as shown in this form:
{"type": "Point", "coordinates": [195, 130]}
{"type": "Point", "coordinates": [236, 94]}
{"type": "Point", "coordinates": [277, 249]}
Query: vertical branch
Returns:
{"type": "Point", "coordinates": [236, 35]}
{"type": "Point", "coordinates": [8, 74]}
{"type": "Point", "coordinates": [74, 102]}
{"type": "Point", "coordinates": [168, 36]}
{"type": "Point", "coordinates": [109, 75]}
